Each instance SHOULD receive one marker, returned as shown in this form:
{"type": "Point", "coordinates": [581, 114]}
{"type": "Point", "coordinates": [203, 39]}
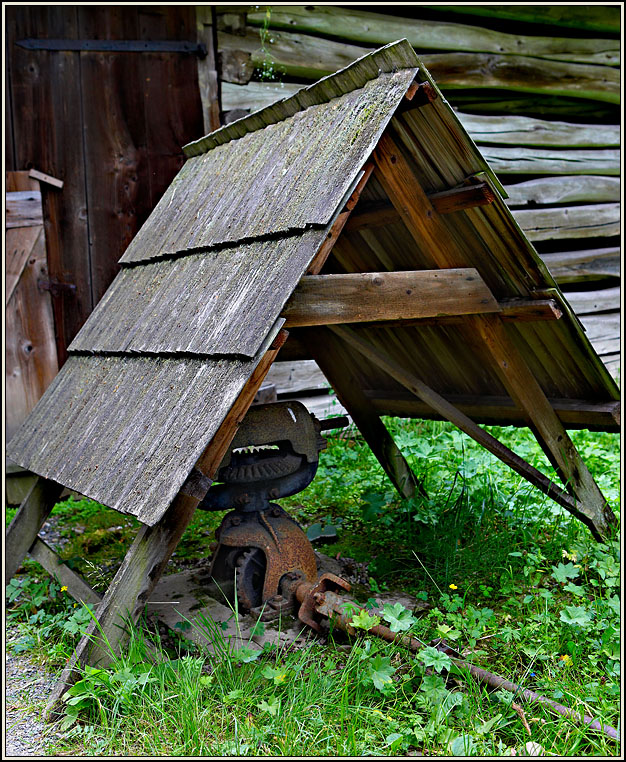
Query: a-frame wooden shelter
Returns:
{"type": "Point", "coordinates": [360, 200]}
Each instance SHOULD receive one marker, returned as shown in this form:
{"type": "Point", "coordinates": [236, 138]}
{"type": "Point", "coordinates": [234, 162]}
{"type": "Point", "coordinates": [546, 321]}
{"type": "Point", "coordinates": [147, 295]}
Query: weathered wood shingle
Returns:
{"type": "Point", "coordinates": [220, 302]}
{"type": "Point", "coordinates": [165, 355]}
{"type": "Point", "coordinates": [127, 431]}
{"type": "Point", "coordinates": [285, 177]}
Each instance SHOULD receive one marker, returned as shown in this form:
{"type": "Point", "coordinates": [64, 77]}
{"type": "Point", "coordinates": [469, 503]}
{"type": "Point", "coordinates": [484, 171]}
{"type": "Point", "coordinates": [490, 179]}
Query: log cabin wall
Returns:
{"type": "Point", "coordinates": [109, 124]}
{"type": "Point", "coordinates": [537, 87]}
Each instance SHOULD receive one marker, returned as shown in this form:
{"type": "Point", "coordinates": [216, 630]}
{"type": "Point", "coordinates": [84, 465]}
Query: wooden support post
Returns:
{"type": "Point", "coordinates": [27, 522]}
{"type": "Point", "coordinates": [455, 416]}
{"type": "Point", "coordinates": [153, 546]}
{"type": "Point", "coordinates": [330, 355]}
{"type": "Point", "coordinates": [408, 197]}
{"type": "Point", "coordinates": [528, 395]}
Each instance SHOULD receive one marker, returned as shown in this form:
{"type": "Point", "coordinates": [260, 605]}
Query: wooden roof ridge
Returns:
{"type": "Point", "coordinates": [387, 59]}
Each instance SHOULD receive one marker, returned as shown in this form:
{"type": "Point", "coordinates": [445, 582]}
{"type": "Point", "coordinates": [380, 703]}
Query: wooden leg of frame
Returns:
{"type": "Point", "coordinates": [27, 522]}
{"type": "Point", "coordinates": [329, 353]}
{"type": "Point", "coordinates": [552, 436]}
{"type": "Point", "coordinates": [148, 555]}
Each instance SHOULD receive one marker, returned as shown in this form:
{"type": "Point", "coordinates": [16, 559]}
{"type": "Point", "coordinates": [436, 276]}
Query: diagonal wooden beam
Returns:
{"type": "Point", "coordinates": [27, 522]}
{"type": "Point", "coordinates": [454, 415]}
{"type": "Point", "coordinates": [322, 255]}
{"type": "Point", "coordinates": [153, 546]}
{"type": "Point", "coordinates": [330, 354]}
{"type": "Point", "coordinates": [407, 196]}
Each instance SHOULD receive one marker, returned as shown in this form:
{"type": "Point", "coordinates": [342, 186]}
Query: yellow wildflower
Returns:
{"type": "Point", "coordinates": [453, 587]}
{"type": "Point", "coordinates": [64, 588]}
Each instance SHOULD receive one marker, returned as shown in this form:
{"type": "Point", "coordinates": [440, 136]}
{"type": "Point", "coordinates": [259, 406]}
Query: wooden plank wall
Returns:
{"type": "Point", "coordinates": [110, 125]}
{"type": "Point", "coordinates": [538, 92]}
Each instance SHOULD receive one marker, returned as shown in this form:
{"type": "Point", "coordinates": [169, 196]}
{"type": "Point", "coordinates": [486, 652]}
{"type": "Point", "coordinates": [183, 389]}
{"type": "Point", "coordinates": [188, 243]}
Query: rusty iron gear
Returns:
{"type": "Point", "coordinates": [250, 570]}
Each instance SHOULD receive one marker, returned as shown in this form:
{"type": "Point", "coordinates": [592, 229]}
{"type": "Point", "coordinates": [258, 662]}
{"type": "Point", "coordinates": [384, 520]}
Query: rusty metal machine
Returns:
{"type": "Point", "coordinates": [260, 551]}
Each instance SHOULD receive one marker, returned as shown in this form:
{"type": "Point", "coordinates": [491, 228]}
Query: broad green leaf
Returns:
{"type": "Point", "coordinates": [246, 654]}
{"type": "Point", "coordinates": [575, 615]}
{"type": "Point", "coordinates": [277, 675]}
{"type": "Point", "coordinates": [563, 572]}
{"type": "Point", "coordinates": [271, 707]}
{"type": "Point", "coordinates": [577, 590]}
{"type": "Point", "coordinates": [462, 746]}
{"type": "Point", "coordinates": [399, 618]}
{"type": "Point", "coordinates": [364, 621]}
{"type": "Point", "coordinates": [431, 657]}
{"type": "Point", "coordinates": [445, 631]}
{"type": "Point", "coordinates": [380, 671]}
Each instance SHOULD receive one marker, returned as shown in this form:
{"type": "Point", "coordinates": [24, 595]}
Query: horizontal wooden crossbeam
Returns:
{"type": "Point", "coordinates": [366, 297]}
{"type": "Point", "coordinates": [419, 297]}
{"type": "Point", "coordinates": [443, 202]}
{"type": "Point", "coordinates": [573, 414]}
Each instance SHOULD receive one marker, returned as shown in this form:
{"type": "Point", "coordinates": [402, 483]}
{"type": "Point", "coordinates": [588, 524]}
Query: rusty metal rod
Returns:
{"type": "Point", "coordinates": [331, 605]}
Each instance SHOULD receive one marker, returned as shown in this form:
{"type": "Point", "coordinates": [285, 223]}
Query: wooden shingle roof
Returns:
{"type": "Point", "coordinates": [199, 298]}
{"type": "Point", "coordinates": [162, 358]}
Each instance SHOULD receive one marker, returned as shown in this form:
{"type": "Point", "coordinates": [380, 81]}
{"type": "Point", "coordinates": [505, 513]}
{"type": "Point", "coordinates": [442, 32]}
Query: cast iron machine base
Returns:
{"type": "Point", "coordinates": [261, 552]}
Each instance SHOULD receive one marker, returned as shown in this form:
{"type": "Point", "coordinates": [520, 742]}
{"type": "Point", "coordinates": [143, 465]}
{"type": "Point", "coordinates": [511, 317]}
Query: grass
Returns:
{"type": "Point", "coordinates": [512, 580]}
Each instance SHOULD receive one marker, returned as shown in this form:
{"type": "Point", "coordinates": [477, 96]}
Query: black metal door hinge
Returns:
{"type": "Point", "coordinates": [55, 287]}
{"type": "Point", "coordinates": [116, 46]}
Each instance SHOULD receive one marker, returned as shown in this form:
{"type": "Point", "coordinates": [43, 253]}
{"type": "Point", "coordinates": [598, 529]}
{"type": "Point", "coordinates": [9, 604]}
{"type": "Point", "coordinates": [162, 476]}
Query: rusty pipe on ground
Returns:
{"type": "Point", "coordinates": [320, 599]}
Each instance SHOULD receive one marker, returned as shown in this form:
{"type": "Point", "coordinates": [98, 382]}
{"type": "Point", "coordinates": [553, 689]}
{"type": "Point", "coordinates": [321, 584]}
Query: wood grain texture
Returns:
{"type": "Point", "coordinates": [292, 377]}
{"type": "Point", "coordinates": [507, 360]}
{"type": "Point", "coordinates": [597, 18]}
{"type": "Point", "coordinates": [520, 160]}
{"type": "Point", "coordinates": [452, 414]}
{"type": "Point", "coordinates": [588, 221]}
{"type": "Point", "coordinates": [592, 508]}
{"type": "Point", "coordinates": [30, 517]}
{"type": "Point", "coordinates": [603, 300]}
{"type": "Point", "coordinates": [298, 170]}
{"type": "Point", "coordinates": [207, 68]}
{"type": "Point", "coordinates": [386, 60]}
{"type": "Point", "coordinates": [307, 57]}
{"type": "Point", "coordinates": [45, 89]}
{"type": "Point", "coordinates": [152, 548]}
{"type": "Point", "coordinates": [18, 246]}
{"type": "Point", "coordinates": [126, 431]}
{"type": "Point", "coordinates": [492, 410]}
{"type": "Point", "coordinates": [364, 297]}
{"type": "Point", "coordinates": [76, 585]}
{"type": "Point", "coordinates": [528, 131]}
{"type": "Point", "coordinates": [377, 29]}
{"type": "Point", "coordinates": [584, 221]}
{"type": "Point", "coordinates": [584, 264]}
{"type": "Point", "coordinates": [221, 302]}
{"type": "Point", "coordinates": [31, 358]}
{"type": "Point", "coordinates": [23, 209]}
{"type": "Point", "coordinates": [582, 189]}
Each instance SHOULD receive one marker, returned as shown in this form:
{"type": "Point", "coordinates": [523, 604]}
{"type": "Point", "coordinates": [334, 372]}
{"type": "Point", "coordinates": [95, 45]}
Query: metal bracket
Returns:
{"type": "Point", "coordinates": [116, 46]}
{"type": "Point", "coordinates": [55, 287]}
